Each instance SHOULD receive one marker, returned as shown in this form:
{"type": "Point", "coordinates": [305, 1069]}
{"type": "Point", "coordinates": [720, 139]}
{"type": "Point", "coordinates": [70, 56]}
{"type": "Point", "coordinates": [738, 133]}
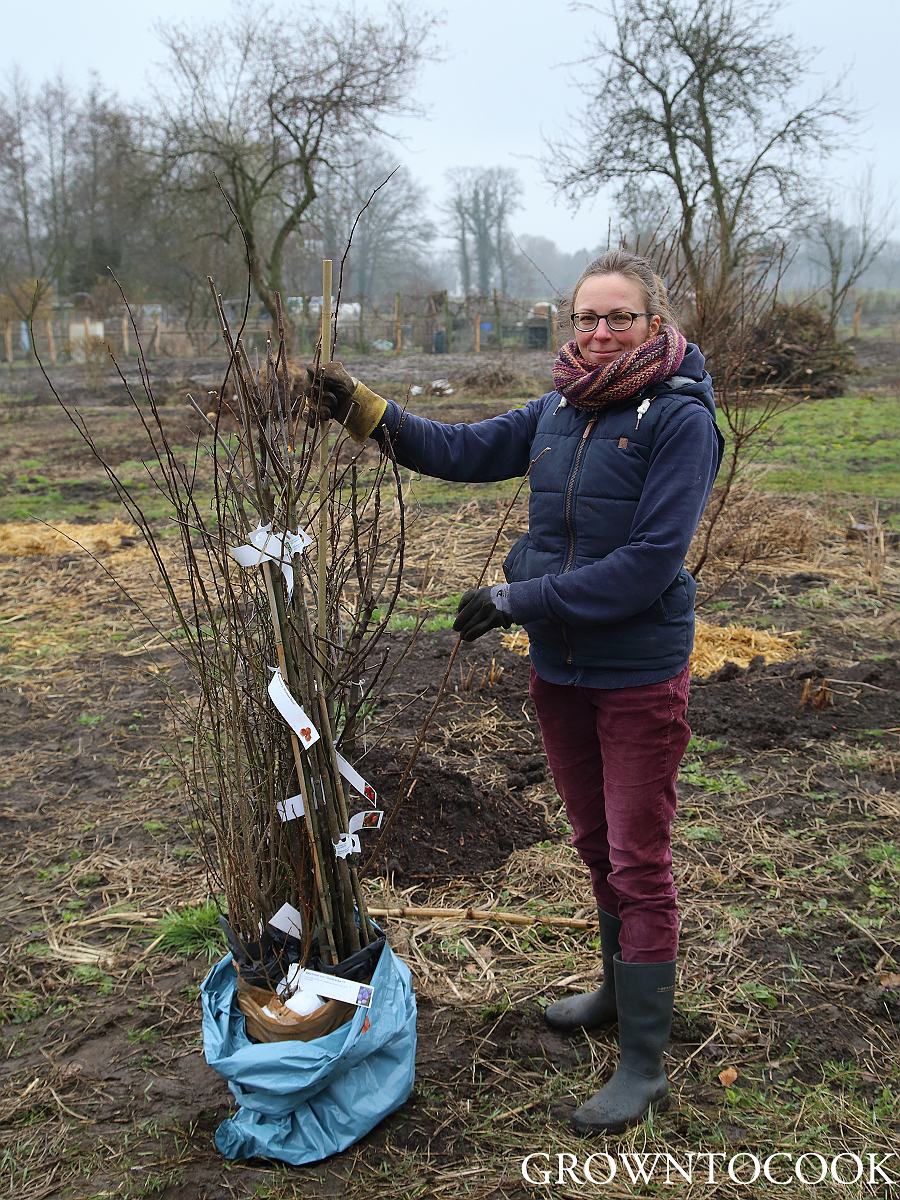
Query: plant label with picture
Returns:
{"type": "Point", "coordinates": [292, 712]}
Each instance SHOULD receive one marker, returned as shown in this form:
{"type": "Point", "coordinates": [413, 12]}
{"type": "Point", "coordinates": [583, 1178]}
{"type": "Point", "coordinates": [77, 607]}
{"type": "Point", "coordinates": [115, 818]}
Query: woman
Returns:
{"type": "Point", "coordinates": [622, 457]}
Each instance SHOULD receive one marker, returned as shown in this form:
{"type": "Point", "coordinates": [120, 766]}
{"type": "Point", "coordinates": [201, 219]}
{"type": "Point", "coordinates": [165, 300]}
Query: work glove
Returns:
{"type": "Point", "coordinates": [481, 609]}
{"type": "Point", "coordinates": [334, 395]}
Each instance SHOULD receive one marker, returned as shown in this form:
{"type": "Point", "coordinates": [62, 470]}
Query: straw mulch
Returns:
{"type": "Point", "coordinates": [714, 646]}
{"type": "Point", "coordinates": [29, 539]}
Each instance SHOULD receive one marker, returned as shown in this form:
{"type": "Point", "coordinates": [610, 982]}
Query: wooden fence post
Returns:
{"type": "Point", "coordinates": [476, 337]}
{"type": "Point", "coordinates": [51, 341]}
{"type": "Point", "coordinates": [7, 340]}
{"type": "Point", "coordinates": [126, 341]}
{"type": "Point", "coordinates": [398, 326]}
{"type": "Point", "coordinates": [448, 325]}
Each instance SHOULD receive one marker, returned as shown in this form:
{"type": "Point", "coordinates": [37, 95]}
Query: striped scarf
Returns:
{"type": "Point", "coordinates": [593, 388]}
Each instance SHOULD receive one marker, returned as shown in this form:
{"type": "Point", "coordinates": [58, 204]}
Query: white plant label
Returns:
{"type": "Point", "coordinates": [265, 546]}
{"type": "Point", "coordinates": [292, 711]}
{"type": "Point", "coordinates": [335, 988]}
{"type": "Point", "coordinates": [356, 780]}
{"type": "Point", "coordinates": [347, 844]}
{"type": "Point", "coordinates": [290, 809]}
{"type": "Point", "coordinates": [288, 920]}
{"type": "Point", "coordinates": [370, 819]}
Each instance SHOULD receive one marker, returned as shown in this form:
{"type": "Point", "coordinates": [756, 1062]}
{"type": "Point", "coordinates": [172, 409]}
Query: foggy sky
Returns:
{"type": "Point", "coordinates": [502, 88]}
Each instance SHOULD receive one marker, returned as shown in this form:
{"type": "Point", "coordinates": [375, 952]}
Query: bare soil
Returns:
{"type": "Point", "coordinates": [786, 853]}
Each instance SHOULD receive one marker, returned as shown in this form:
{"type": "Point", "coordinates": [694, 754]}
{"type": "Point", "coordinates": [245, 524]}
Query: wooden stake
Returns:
{"type": "Point", "coordinates": [476, 336]}
{"type": "Point", "coordinates": [309, 800]}
{"type": "Point", "coordinates": [323, 464]}
{"type": "Point", "coordinates": [480, 914]}
{"type": "Point", "coordinates": [398, 325]}
{"type": "Point", "coordinates": [7, 340]}
{"type": "Point", "coordinates": [126, 342]}
{"type": "Point", "coordinates": [51, 341]}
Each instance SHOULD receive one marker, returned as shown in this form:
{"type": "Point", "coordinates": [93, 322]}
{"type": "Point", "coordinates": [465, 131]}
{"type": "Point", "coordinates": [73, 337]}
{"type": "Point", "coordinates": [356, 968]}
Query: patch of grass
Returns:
{"type": "Point", "coordinates": [703, 745]}
{"type": "Point", "coordinates": [49, 874]}
{"type": "Point", "coordinates": [85, 973]}
{"type": "Point", "coordinates": [192, 932]}
{"type": "Point", "coordinates": [724, 781]}
{"type": "Point", "coordinates": [885, 852]}
{"type": "Point", "coordinates": [18, 1008]}
{"type": "Point", "coordinates": [759, 993]}
{"type": "Point", "coordinates": [702, 833]}
{"type": "Point", "coordinates": [842, 444]}
{"type": "Point", "coordinates": [142, 1037]}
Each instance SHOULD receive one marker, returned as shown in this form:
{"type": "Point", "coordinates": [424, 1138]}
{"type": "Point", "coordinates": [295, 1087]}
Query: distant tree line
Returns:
{"type": "Point", "coordinates": [264, 142]}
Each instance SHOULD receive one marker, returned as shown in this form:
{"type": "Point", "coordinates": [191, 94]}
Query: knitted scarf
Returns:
{"type": "Point", "coordinates": [593, 388]}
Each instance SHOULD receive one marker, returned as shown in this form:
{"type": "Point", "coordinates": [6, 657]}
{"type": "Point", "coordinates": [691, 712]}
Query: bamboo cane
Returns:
{"type": "Point", "coordinates": [480, 914]}
{"type": "Point", "coordinates": [323, 461]}
{"type": "Point", "coordinates": [315, 843]}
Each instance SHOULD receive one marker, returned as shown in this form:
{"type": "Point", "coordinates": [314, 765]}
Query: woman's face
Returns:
{"type": "Point", "coordinates": [608, 294]}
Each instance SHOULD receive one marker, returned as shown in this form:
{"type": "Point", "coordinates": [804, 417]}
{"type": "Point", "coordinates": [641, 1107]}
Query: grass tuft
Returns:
{"type": "Point", "coordinates": [192, 932]}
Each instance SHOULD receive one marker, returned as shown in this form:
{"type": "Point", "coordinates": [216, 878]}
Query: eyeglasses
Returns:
{"type": "Point", "coordinates": [618, 321]}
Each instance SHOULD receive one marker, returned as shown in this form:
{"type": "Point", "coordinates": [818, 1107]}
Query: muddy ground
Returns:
{"type": "Point", "coordinates": [787, 860]}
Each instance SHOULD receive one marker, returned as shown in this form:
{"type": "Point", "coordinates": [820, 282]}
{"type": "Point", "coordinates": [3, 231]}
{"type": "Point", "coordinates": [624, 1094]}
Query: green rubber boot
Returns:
{"type": "Point", "coordinates": [592, 1010]}
{"type": "Point", "coordinates": [645, 993]}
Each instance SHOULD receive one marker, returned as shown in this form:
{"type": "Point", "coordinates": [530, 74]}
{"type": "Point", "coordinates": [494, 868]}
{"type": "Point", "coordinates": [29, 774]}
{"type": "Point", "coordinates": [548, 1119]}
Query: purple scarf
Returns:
{"type": "Point", "coordinates": [593, 388]}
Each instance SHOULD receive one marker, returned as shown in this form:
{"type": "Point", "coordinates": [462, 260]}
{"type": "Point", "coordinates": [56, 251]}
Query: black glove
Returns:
{"type": "Point", "coordinates": [481, 609]}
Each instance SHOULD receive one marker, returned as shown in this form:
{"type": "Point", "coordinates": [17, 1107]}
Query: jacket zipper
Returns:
{"type": "Point", "coordinates": [570, 524]}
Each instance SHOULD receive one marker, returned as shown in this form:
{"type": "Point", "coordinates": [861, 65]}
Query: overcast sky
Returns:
{"type": "Point", "coordinates": [502, 87]}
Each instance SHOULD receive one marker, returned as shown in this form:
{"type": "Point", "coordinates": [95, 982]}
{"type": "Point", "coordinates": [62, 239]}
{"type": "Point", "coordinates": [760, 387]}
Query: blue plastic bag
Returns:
{"type": "Point", "coordinates": [299, 1102]}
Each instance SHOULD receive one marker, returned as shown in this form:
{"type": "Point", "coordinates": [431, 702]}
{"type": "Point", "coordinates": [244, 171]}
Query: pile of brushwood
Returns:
{"type": "Point", "coordinates": [792, 346]}
{"type": "Point", "coordinates": [280, 589]}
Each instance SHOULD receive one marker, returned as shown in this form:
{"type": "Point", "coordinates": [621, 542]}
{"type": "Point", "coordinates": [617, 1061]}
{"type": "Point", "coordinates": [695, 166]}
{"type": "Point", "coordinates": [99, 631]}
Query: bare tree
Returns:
{"type": "Point", "coordinates": [393, 232]}
{"type": "Point", "coordinates": [267, 104]}
{"type": "Point", "coordinates": [36, 146]}
{"type": "Point", "coordinates": [846, 251]}
{"type": "Point", "coordinates": [692, 98]}
{"type": "Point", "coordinates": [481, 201]}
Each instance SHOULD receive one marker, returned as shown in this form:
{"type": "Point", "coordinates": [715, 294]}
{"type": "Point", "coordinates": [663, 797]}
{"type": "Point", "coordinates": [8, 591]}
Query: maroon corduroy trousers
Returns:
{"type": "Point", "coordinates": [614, 755]}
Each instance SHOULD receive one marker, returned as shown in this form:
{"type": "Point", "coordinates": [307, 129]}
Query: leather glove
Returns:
{"type": "Point", "coordinates": [334, 394]}
{"type": "Point", "coordinates": [481, 609]}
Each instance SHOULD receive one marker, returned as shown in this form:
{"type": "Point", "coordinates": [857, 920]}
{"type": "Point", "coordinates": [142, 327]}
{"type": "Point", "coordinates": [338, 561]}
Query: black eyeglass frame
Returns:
{"type": "Point", "coordinates": [598, 317]}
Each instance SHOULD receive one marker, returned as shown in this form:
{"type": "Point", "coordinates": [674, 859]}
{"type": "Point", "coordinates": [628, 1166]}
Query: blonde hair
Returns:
{"type": "Point", "coordinates": [638, 269]}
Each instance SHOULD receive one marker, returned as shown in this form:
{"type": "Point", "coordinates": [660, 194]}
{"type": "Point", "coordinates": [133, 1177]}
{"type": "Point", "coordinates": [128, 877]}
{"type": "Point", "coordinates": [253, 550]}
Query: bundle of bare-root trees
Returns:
{"type": "Point", "coordinates": [281, 578]}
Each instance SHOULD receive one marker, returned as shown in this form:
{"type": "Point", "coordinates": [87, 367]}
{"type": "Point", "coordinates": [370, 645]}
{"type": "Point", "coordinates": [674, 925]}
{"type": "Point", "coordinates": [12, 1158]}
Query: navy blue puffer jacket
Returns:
{"type": "Point", "coordinates": [598, 580]}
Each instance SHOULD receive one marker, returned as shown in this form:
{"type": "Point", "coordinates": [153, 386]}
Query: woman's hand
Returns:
{"type": "Point", "coordinates": [334, 395]}
{"type": "Point", "coordinates": [481, 609]}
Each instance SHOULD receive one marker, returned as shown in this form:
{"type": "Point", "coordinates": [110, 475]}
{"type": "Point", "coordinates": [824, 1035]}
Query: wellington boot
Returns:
{"type": "Point", "coordinates": [645, 994]}
{"type": "Point", "coordinates": [591, 1010]}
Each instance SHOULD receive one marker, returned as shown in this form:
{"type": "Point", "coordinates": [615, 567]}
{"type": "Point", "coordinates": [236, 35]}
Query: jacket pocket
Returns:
{"type": "Point", "coordinates": [514, 561]}
{"type": "Point", "coordinates": [677, 601]}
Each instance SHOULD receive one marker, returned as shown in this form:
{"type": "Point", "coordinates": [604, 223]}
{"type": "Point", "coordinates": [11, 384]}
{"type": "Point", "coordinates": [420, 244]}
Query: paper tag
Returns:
{"type": "Point", "coordinates": [288, 920]}
{"type": "Point", "coordinates": [335, 988]}
{"type": "Point", "coordinates": [347, 844]}
{"type": "Point", "coordinates": [370, 819]}
{"type": "Point", "coordinates": [291, 711]}
{"type": "Point", "coordinates": [356, 780]}
{"type": "Point", "coordinates": [290, 809]}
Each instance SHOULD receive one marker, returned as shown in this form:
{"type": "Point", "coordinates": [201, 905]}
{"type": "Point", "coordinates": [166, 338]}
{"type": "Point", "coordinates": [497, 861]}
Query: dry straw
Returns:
{"type": "Point", "coordinates": [714, 646]}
